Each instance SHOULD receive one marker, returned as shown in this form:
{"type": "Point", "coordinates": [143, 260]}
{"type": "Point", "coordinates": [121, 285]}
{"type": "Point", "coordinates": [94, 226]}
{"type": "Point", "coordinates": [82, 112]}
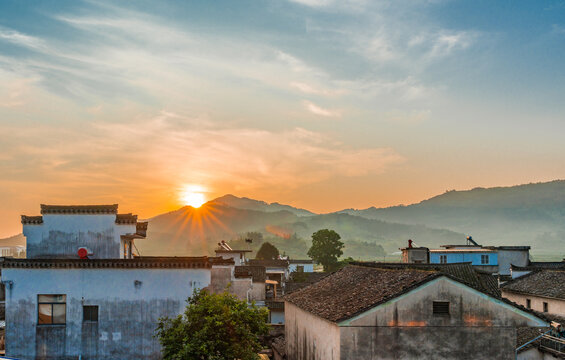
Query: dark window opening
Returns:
{"type": "Point", "coordinates": [528, 303]}
{"type": "Point", "coordinates": [443, 259]}
{"type": "Point", "coordinates": [51, 309]}
{"type": "Point", "coordinates": [300, 268]}
{"type": "Point", "coordinates": [90, 313]}
{"type": "Point", "coordinates": [441, 308]}
{"type": "Point", "coordinates": [545, 307]}
{"type": "Point", "coordinates": [484, 259]}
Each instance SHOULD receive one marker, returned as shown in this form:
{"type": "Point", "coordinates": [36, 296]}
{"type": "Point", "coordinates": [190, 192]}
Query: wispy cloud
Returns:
{"type": "Point", "coordinates": [21, 39]}
{"type": "Point", "coordinates": [318, 110]}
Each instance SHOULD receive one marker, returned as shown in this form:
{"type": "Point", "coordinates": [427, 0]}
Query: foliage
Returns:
{"type": "Point", "coordinates": [267, 252]}
{"type": "Point", "coordinates": [326, 248]}
{"type": "Point", "coordinates": [213, 327]}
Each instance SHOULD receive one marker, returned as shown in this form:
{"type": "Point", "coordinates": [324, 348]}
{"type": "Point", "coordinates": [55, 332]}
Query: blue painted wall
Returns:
{"type": "Point", "coordinates": [459, 257]}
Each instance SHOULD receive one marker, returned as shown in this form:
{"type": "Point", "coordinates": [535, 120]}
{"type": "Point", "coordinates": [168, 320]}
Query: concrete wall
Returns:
{"type": "Point", "coordinates": [60, 236]}
{"type": "Point", "coordinates": [507, 257]}
{"type": "Point", "coordinates": [277, 316]}
{"type": "Point", "coordinates": [458, 257]}
{"type": "Point", "coordinates": [128, 312]}
{"type": "Point", "coordinates": [478, 327]}
{"type": "Point", "coordinates": [307, 267]}
{"type": "Point", "coordinates": [309, 337]}
{"type": "Point", "coordinates": [555, 306]}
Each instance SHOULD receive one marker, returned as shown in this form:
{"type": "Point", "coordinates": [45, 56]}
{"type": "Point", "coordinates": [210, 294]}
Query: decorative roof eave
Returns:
{"type": "Point", "coordinates": [32, 220]}
{"type": "Point", "coordinates": [203, 262]}
{"type": "Point", "coordinates": [79, 209]}
{"type": "Point", "coordinates": [126, 219]}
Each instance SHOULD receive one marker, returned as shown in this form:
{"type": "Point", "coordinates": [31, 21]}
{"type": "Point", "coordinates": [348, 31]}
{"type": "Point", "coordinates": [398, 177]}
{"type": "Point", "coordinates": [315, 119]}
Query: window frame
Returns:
{"type": "Point", "coordinates": [528, 303]}
{"type": "Point", "coordinates": [52, 304]}
{"type": "Point", "coordinates": [485, 259]}
{"type": "Point", "coordinates": [443, 259]}
{"type": "Point", "coordinates": [84, 313]}
{"type": "Point", "coordinates": [545, 306]}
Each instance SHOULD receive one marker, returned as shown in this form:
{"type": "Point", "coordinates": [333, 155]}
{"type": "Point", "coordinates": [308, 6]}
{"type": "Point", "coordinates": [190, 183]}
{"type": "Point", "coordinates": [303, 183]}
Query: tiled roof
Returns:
{"type": "Point", "coordinates": [126, 218]}
{"type": "Point", "coordinates": [141, 228]}
{"type": "Point", "coordinates": [547, 283]}
{"type": "Point", "coordinates": [257, 273]}
{"type": "Point", "coordinates": [540, 265]}
{"type": "Point", "coordinates": [79, 209]}
{"type": "Point", "coordinates": [525, 334]}
{"type": "Point", "coordinates": [463, 272]}
{"type": "Point", "coordinates": [355, 289]}
{"type": "Point", "coordinates": [32, 220]}
{"type": "Point", "coordinates": [142, 262]}
{"type": "Point", "coordinates": [268, 263]}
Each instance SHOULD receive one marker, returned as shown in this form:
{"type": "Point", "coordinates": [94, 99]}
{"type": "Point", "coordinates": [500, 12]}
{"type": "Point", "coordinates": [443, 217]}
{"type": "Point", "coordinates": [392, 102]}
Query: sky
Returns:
{"type": "Point", "coordinates": [320, 104]}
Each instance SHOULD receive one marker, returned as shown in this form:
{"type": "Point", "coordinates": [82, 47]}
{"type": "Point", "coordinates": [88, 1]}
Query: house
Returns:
{"type": "Point", "coordinates": [83, 294]}
{"type": "Point", "coordinates": [540, 290]}
{"type": "Point", "coordinates": [301, 266]}
{"type": "Point", "coordinates": [225, 251]}
{"type": "Point", "coordinates": [362, 312]}
{"type": "Point", "coordinates": [493, 259]}
{"type": "Point", "coordinates": [13, 251]}
{"type": "Point", "coordinates": [277, 270]}
{"type": "Point", "coordinates": [517, 271]}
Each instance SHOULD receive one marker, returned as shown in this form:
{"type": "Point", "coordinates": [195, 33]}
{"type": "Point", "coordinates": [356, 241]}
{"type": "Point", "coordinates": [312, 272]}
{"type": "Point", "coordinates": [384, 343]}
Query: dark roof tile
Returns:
{"type": "Point", "coordinates": [355, 289]}
{"type": "Point", "coordinates": [548, 283]}
{"type": "Point", "coordinates": [79, 209]}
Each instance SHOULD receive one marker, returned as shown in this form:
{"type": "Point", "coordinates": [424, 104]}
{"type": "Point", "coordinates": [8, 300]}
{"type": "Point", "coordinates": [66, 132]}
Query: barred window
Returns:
{"type": "Point", "coordinates": [441, 307]}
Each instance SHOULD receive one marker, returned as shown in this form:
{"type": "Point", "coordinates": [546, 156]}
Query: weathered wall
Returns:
{"type": "Point", "coordinates": [478, 327]}
{"type": "Point", "coordinates": [555, 306]}
{"type": "Point", "coordinates": [277, 316]}
{"type": "Point", "coordinates": [309, 337]}
{"type": "Point", "coordinates": [60, 236]}
{"type": "Point", "coordinates": [128, 312]}
{"type": "Point", "coordinates": [516, 257]}
{"type": "Point", "coordinates": [221, 277]}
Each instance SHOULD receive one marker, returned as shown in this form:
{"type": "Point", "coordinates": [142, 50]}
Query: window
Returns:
{"type": "Point", "coordinates": [90, 313]}
{"type": "Point", "coordinates": [443, 259]}
{"type": "Point", "coordinates": [484, 259]}
{"type": "Point", "coordinates": [300, 268]}
{"type": "Point", "coordinates": [545, 307]}
{"type": "Point", "coordinates": [528, 303]}
{"type": "Point", "coordinates": [51, 309]}
{"type": "Point", "coordinates": [441, 308]}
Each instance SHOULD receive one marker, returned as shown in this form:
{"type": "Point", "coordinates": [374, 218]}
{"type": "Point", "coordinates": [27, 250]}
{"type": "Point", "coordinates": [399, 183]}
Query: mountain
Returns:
{"type": "Point", "coordinates": [190, 231]}
{"type": "Point", "coordinates": [250, 204]}
{"type": "Point", "coordinates": [15, 240]}
{"type": "Point", "coordinates": [531, 214]}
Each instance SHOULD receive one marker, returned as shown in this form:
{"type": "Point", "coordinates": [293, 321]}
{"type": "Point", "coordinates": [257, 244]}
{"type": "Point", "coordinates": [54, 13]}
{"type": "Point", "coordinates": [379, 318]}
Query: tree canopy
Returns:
{"type": "Point", "coordinates": [267, 251]}
{"type": "Point", "coordinates": [213, 327]}
{"type": "Point", "coordinates": [326, 248]}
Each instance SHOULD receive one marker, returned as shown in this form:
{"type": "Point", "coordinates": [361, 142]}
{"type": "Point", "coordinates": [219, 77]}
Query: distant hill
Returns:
{"type": "Point", "coordinates": [250, 204]}
{"type": "Point", "coordinates": [532, 214]}
{"type": "Point", "coordinates": [15, 240]}
{"type": "Point", "coordinates": [190, 231]}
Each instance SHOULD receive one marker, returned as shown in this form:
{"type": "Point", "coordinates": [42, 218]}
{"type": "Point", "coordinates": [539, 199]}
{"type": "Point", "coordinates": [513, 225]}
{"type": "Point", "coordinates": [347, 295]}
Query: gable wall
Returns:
{"type": "Point", "coordinates": [555, 306]}
{"type": "Point", "coordinates": [309, 337]}
{"type": "Point", "coordinates": [405, 328]}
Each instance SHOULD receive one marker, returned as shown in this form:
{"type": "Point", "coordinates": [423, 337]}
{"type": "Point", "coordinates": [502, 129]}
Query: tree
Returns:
{"type": "Point", "coordinates": [213, 327]}
{"type": "Point", "coordinates": [267, 251]}
{"type": "Point", "coordinates": [326, 248]}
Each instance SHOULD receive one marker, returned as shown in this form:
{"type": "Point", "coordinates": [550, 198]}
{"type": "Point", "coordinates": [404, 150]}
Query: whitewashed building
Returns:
{"type": "Point", "coordinates": [82, 294]}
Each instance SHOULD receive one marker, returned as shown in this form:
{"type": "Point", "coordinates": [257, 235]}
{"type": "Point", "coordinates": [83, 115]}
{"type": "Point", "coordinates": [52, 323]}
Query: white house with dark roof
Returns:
{"type": "Point", "coordinates": [539, 290]}
{"type": "Point", "coordinates": [364, 312]}
{"type": "Point", "coordinates": [101, 303]}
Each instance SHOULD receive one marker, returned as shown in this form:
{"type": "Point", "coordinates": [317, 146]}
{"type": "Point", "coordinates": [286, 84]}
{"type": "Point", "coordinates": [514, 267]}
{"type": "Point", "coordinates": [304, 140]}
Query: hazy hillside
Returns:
{"type": "Point", "coordinates": [190, 231]}
{"type": "Point", "coordinates": [532, 214]}
{"type": "Point", "coordinates": [13, 240]}
{"type": "Point", "coordinates": [250, 204]}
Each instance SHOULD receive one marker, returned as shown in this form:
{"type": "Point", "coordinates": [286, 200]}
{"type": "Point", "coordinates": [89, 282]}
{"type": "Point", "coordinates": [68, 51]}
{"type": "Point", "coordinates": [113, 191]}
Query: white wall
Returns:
{"type": "Point", "coordinates": [123, 306]}
{"type": "Point", "coordinates": [555, 306]}
{"type": "Point", "coordinates": [62, 235]}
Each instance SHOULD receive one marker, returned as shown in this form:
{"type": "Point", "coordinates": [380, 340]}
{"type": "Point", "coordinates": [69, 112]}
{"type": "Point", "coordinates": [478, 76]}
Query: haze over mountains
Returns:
{"type": "Point", "coordinates": [532, 214]}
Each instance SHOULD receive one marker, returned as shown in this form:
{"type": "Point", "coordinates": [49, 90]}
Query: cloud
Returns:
{"type": "Point", "coordinates": [317, 110]}
{"type": "Point", "coordinates": [308, 89]}
{"type": "Point", "coordinates": [21, 39]}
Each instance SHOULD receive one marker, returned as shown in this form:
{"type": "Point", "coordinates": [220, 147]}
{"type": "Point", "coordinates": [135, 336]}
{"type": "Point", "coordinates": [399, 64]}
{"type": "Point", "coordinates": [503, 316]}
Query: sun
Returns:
{"type": "Point", "coordinates": [193, 195]}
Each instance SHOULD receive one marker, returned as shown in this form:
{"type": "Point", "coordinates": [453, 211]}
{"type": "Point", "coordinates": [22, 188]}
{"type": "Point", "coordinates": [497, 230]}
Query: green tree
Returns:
{"type": "Point", "coordinates": [267, 251]}
{"type": "Point", "coordinates": [213, 327]}
{"type": "Point", "coordinates": [326, 248]}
